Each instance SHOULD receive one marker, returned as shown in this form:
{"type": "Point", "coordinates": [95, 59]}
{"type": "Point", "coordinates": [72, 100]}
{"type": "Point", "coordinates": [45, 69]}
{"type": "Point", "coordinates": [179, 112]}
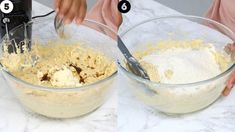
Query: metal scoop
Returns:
{"type": "Point", "coordinates": [63, 31]}
{"type": "Point", "coordinates": [132, 63]}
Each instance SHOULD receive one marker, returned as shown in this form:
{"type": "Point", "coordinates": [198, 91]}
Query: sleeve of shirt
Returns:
{"type": "Point", "coordinates": [223, 11]}
{"type": "Point", "coordinates": [106, 12]}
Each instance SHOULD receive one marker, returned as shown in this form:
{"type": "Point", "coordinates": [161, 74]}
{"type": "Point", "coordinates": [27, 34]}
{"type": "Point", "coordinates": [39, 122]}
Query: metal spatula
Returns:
{"type": "Point", "coordinates": [132, 63]}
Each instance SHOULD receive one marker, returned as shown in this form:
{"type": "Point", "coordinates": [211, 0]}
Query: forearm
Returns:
{"type": "Point", "coordinates": [106, 12]}
{"type": "Point", "coordinates": [223, 11]}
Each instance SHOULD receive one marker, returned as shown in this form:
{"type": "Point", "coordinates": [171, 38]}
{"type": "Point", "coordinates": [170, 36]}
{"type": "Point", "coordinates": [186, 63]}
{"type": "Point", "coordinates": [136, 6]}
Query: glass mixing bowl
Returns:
{"type": "Point", "coordinates": [64, 102]}
{"type": "Point", "coordinates": [177, 98]}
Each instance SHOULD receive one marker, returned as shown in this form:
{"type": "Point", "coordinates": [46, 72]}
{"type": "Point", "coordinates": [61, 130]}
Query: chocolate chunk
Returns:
{"type": "Point", "coordinates": [82, 80]}
{"type": "Point", "coordinates": [78, 69]}
{"type": "Point", "coordinates": [45, 77]}
{"type": "Point", "coordinates": [90, 67]}
{"type": "Point", "coordinates": [99, 74]}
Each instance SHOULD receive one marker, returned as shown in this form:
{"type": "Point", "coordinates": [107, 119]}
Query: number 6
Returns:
{"type": "Point", "coordinates": [124, 7]}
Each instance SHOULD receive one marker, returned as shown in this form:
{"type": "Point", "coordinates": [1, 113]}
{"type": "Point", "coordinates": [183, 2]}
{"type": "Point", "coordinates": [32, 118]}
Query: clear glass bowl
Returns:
{"type": "Point", "coordinates": [64, 102]}
{"type": "Point", "coordinates": [177, 98]}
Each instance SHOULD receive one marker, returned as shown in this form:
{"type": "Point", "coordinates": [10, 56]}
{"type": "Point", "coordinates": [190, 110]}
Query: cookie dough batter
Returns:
{"type": "Point", "coordinates": [59, 65]}
{"type": "Point", "coordinates": [180, 62]}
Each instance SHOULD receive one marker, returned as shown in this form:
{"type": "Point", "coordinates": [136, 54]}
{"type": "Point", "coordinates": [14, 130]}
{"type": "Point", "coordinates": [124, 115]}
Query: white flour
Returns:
{"type": "Point", "coordinates": [184, 65]}
{"type": "Point", "coordinates": [182, 62]}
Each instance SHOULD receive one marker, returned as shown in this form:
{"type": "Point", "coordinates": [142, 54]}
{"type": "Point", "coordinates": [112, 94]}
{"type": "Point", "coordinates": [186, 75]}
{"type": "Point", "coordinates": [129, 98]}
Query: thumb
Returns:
{"type": "Point", "coordinates": [231, 80]}
{"type": "Point", "coordinates": [229, 84]}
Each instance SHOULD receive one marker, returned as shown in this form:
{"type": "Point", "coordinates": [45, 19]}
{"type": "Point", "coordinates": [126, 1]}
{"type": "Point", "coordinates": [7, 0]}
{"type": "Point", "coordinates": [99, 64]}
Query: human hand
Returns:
{"type": "Point", "coordinates": [69, 10]}
{"type": "Point", "coordinates": [231, 81]}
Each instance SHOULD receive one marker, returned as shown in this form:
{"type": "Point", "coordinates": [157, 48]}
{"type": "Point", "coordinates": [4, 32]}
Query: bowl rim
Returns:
{"type": "Point", "coordinates": [161, 85]}
{"type": "Point", "coordinates": [60, 89]}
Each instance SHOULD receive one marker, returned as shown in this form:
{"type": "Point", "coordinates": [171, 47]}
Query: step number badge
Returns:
{"type": "Point", "coordinates": [6, 6]}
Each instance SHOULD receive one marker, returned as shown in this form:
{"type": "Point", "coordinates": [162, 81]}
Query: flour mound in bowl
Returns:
{"type": "Point", "coordinates": [180, 62]}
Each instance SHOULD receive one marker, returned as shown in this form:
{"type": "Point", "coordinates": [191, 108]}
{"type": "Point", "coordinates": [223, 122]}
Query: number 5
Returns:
{"type": "Point", "coordinates": [6, 6]}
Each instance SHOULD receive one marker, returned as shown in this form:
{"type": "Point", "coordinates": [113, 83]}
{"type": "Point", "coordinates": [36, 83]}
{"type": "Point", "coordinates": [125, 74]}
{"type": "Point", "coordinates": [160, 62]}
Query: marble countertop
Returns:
{"type": "Point", "coordinates": [133, 116]}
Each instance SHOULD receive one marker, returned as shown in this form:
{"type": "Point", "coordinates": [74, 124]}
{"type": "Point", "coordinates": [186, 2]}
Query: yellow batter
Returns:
{"type": "Point", "coordinates": [163, 61]}
{"type": "Point", "coordinates": [59, 65]}
{"type": "Point", "coordinates": [182, 62]}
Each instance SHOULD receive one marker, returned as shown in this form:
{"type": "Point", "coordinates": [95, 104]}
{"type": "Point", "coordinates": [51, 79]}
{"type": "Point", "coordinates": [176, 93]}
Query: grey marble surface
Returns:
{"type": "Point", "coordinates": [189, 7]}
